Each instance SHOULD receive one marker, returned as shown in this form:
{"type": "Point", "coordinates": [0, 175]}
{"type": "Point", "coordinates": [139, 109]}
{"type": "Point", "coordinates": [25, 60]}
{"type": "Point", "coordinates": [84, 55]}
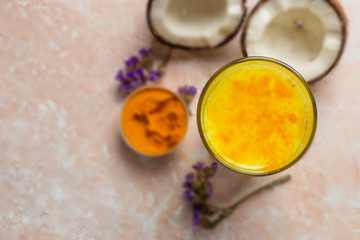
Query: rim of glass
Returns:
{"type": "Point", "coordinates": [246, 59]}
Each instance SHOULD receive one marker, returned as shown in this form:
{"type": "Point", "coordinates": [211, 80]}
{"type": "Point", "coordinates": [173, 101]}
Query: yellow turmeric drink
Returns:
{"type": "Point", "coordinates": [153, 121]}
{"type": "Point", "coordinates": [257, 116]}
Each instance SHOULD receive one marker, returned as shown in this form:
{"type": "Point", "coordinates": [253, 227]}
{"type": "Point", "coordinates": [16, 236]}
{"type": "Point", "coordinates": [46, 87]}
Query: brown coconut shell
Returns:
{"type": "Point", "coordinates": [339, 11]}
{"type": "Point", "coordinates": [173, 45]}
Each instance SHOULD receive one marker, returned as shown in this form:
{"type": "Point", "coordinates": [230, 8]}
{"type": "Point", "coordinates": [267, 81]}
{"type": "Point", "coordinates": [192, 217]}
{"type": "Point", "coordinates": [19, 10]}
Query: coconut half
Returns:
{"type": "Point", "coordinates": [309, 35]}
{"type": "Point", "coordinates": [195, 24]}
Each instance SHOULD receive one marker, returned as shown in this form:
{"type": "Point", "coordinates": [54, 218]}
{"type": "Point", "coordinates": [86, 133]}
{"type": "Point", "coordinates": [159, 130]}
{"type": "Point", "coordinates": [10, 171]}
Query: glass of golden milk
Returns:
{"type": "Point", "coordinates": [257, 116]}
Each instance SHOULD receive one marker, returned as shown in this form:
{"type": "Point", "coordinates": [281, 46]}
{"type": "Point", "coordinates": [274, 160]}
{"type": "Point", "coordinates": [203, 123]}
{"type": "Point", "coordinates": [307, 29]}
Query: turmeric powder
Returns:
{"type": "Point", "coordinates": [154, 121]}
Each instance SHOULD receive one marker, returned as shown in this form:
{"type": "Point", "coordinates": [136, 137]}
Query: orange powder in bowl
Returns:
{"type": "Point", "coordinates": [153, 121]}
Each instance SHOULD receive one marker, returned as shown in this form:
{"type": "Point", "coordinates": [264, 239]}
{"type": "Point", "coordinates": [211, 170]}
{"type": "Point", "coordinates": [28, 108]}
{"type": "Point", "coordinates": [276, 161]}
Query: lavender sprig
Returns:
{"type": "Point", "coordinates": [199, 189]}
{"type": "Point", "coordinates": [187, 93]}
{"type": "Point", "coordinates": [139, 70]}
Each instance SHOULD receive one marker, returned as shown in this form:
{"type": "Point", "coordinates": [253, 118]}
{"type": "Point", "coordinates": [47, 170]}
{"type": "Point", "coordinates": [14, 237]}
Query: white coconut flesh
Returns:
{"type": "Point", "coordinates": [195, 23]}
{"type": "Point", "coordinates": [306, 34]}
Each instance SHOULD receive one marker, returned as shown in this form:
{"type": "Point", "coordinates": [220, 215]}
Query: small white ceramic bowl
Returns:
{"type": "Point", "coordinates": [122, 131]}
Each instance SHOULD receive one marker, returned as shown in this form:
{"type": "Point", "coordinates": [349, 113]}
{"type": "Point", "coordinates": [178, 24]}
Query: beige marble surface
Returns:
{"type": "Point", "coordinates": [66, 174]}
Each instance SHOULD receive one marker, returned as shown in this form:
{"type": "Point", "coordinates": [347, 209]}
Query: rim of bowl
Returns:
{"type": "Point", "coordinates": [245, 59]}
{"type": "Point", "coordinates": [120, 128]}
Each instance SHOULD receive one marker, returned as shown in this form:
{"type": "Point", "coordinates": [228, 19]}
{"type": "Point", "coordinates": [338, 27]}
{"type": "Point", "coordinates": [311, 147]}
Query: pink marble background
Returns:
{"type": "Point", "coordinates": [66, 174]}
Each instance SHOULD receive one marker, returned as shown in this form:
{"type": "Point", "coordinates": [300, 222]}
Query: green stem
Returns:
{"type": "Point", "coordinates": [214, 207]}
{"type": "Point", "coordinates": [165, 60]}
{"type": "Point", "coordinates": [228, 211]}
{"type": "Point", "coordinates": [187, 106]}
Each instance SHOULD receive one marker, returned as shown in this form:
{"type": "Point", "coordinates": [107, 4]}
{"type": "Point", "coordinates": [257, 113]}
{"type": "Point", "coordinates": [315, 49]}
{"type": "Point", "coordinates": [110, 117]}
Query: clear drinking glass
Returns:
{"type": "Point", "coordinates": [258, 63]}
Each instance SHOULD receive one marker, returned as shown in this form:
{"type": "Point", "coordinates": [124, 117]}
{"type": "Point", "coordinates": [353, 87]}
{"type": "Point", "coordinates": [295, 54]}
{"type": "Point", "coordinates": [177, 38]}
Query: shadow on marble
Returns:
{"type": "Point", "coordinates": [317, 84]}
{"type": "Point", "coordinates": [229, 186]}
{"type": "Point", "coordinates": [119, 95]}
{"type": "Point", "coordinates": [139, 162]}
{"type": "Point", "coordinates": [161, 50]}
{"type": "Point", "coordinates": [320, 90]}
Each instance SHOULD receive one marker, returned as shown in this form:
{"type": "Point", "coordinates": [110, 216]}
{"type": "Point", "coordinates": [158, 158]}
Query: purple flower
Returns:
{"type": "Point", "coordinates": [190, 176]}
{"type": "Point", "coordinates": [131, 75]}
{"type": "Point", "coordinates": [132, 78]}
{"type": "Point", "coordinates": [145, 52]}
{"type": "Point", "coordinates": [135, 83]}
{"type": "Point", "coordinates": [198, 190]}
{"type": "Point", "coordinates": [188, 90]}
{"type": "Point", "coordinates": [154, 75]}
{"type": "Point", "coordinates": [197, 215]}
{"type": "Point", "coordinates": [120, 76]}
{"type": "Point", "coordinates": [140, 73]}
{"type": "Point", "coordinates": [214, 167]}
{"type": "Point", "coordinates": [138, 70]}
{"type": "Point", "coordinates": [192, 90]}
{"type": "Point", "coordinates": [189, 195]}
{"type": "Point", "coordinates": [126, 86]}
{"type": "Point", "coordinates": [199, 166]}
{"type": "Point", "coordinates": [210, 189]}
{"type": "Point", "coordinates": [187, 185]}
{"type": "Point", "coordinates": [183, 89]}
{"type": "Point", "coordinates": [132, 61]}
